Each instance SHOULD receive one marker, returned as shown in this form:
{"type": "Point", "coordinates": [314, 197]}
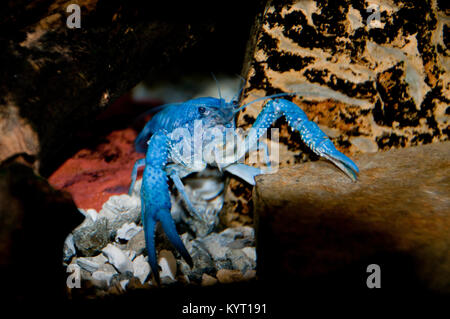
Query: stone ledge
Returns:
{"type": "Point", "coordinates": [313, 223]}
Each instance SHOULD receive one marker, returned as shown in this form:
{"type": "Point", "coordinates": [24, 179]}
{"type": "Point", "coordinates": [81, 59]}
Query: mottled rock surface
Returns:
{"type": "Point", "coordinates": [372, 84]}
{"type": "Point", "coordinates": [314, 223]}
{"type": "Point", "coordinates": [373, 75]}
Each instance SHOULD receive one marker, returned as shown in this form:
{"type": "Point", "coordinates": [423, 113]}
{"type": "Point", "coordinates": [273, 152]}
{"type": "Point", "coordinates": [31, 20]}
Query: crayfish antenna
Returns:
{"type": "Point", "coordinates": [241, 89]}
{"type": "Point", "coordinates": [218, 86]}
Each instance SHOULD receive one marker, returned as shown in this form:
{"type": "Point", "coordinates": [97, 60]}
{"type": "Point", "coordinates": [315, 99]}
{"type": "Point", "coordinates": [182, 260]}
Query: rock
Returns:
{"type": "Point", "coordinates": [124, 283]}
{"type": "Point", "coordinates": [120, 278]}
{"type": "Point", "coordinates": [223, 264]}
{"type": "Point", "coordinates": [118, 258]}
{"type": "Point", "coordinates": [351, 88]}
{"type": "Point", "coordinates": [86, 275]}
{"type": "Point", "coordinates": [102, 279]}
{"type": "Point", "coordinates": [186, 238]}
{"type": "Point", "coordinates": [89, 219]}
{"type": "Point", "coordinates": [107, 268]}
{"type": "Point", "coordinates": [115, 289]}
{"type": "Point", "coordinates": [208, 280]}
{"type": "Point", "coordinates": [250, 252]}
{"type": "Point", "coordinates": [366, 83]}
{"type": "Point", "coordinates": [203, 263]}
{"type": "Point", "coordinates": [90, 237]}
{"type": "Point", "coordinates": [168, 264]}
{"type": "Point", "coordinates": [166, 280]}
{"type": "Point", "coordinates": [218, 244]}
{"type": "Point", "coordinates": [116, 219]}
{"type": "Point", "coordinates": [136, 283]}
{"type": "Point", "coordinates": [241, 243]}
{"type": "Point", "coordinates": [137, 243]}
{"type": "Point", "coordinates": [69, 249]}
{"type": "Point", "coordinates": [313, 221]}
{"type": "Point", "coordinates": [240, 260]}
{"type": "Point", "coordinates": [120, 210]}
{"type": "Point", "coordinates": [120, 204]}
{"type": "Point", "coordinates": [90, 213]}
{"type": "Point", "coordinates": [227, 276]}
{"type": "Point", "coordinates": [141, 268]}
{"type": "Point", "coordinates": [250, 275]}
{"type": "Point", "coordinates": [131, 254]}
{"type": "Point", "coordinates": [184, 269]}
{"type": "Point", "coordinates": [239, 232]}
{"type": "Point", "coordinates": [91, 264]}
{"type": "Point", "coordinates": [127, 231]}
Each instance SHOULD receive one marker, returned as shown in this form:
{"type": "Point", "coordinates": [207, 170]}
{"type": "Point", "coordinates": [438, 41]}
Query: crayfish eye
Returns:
{"type": "Point", "coordinates": [201, 110]}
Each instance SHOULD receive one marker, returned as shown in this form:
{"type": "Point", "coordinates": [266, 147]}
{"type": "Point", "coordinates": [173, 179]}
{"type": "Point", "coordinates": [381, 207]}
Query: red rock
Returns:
{"type": "Point", "coordinates": [93, 175]}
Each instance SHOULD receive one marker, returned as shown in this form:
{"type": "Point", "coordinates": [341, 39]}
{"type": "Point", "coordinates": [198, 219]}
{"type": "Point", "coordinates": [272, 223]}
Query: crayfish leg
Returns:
{"type": "Point", "coordinates": [139, 163]}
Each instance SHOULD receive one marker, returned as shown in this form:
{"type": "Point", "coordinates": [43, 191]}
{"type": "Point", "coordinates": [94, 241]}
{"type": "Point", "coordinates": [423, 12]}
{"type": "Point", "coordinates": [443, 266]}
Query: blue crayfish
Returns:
{"type": "Point", "coordinates": [172, 142]}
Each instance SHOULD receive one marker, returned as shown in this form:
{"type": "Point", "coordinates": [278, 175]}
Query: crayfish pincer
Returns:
{"type": "Point", "coordinates": [187, 137]}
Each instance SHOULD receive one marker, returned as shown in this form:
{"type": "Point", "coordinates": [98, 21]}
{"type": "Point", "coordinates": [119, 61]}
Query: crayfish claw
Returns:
{"type": "Point", "coordinates": [149, 230]}
{"type": "Point", "coordinates": [171, 232]}
{"type": "Point", "coordinates": [340, 160]}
